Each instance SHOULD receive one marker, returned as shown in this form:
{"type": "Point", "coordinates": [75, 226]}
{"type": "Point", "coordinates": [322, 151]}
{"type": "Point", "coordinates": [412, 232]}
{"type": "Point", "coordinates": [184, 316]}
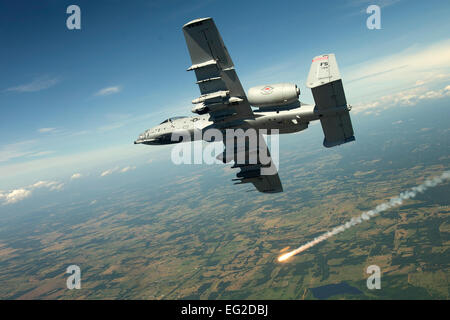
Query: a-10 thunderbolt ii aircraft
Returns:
{"type": "Point", "coordinates": [224, 105]}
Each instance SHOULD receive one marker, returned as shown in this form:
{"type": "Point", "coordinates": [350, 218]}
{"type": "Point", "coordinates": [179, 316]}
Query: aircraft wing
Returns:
{"type": "Point", "coordinates": [253, 158]}
{"type": "Point", "coordinates": [222, 95]}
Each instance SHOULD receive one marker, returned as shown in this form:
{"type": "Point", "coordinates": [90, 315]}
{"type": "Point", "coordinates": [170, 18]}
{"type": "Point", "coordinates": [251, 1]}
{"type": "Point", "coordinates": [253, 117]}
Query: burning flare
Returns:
{"type": "Point", "coordinates": [393, 202]}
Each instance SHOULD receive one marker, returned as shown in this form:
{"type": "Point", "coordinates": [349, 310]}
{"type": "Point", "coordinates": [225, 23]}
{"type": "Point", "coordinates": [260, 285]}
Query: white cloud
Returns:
{"type": "Point", "coordinates": [126, 169]}
{"type": "Point", "coordinates": [110, 127]}
{"type": "Point", "coordinates": [76, 176]}
{"type": "Point", "coordinates": [445, 92]}
{"type": "Point", "coordinates": [61, 165]}
{"type": "Point", "coordinates": [40, 184]}
{"type": "Point", "coordinates": [16, 195]}
{"type": "Point", "coordinates": [51, 185]}
{"type": "Point", "coordinates": [37, 84]}
{"type": "Point", "coordinates": [20, 194]}
{"type": "Point", "coordinates": [46, 130]}
{"type": "Point", "coordinates": [58, 187]}
{"type": "Point", "coordinates": [79, 133]}
{"type": "Point", "coordinates": [117, 169]}
{"type": "Point", "coordinates": [413, 67]}
{"type": "Point", "coordinates": [420, 82]}
{"type": "Point", "coordinates": [108, 172]}
{"type": "Point", "coordinates": [17, 150]}
{"type": "Point", "coordinates": [108, 91]}
{"type": "Point", "coordinates": [408, 97]}
{"type": "Point", "coordinates": [40, 154]}
{"type": "Point", "coordinates": [23, 149]}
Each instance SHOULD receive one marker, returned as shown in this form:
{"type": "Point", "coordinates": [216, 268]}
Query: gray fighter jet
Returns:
{"type": "Point", "coordinates": [223, 104]}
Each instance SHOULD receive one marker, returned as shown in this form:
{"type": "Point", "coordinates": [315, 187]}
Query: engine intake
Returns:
{"type": "Point", "coordinates": [273, 95]}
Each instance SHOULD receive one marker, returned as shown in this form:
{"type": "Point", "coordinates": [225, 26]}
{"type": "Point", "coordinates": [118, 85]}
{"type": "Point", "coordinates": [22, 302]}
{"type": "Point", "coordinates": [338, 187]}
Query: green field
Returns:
{"type": "Point", "coordinates": [202, 238]}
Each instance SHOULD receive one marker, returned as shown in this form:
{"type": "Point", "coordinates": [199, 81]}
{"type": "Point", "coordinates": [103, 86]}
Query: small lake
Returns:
{"type": "Point", "coordinates": [324, 292]}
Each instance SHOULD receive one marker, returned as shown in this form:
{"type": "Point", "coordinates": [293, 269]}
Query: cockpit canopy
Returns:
{"type": "Point", "coordinates": [173, 118]}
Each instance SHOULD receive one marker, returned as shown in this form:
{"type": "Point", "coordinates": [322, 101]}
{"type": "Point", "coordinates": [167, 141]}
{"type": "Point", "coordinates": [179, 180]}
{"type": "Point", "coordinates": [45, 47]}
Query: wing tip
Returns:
{"type": "Point", "coordinates": [273, 190]}
{"type": "Point", "coordinates": [328, 144]}
{"type": "Point", "coordinates": [195, 21]}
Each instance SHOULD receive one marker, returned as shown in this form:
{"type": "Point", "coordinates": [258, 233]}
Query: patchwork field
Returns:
{"type": "Point", "coordinates": [207, 239]}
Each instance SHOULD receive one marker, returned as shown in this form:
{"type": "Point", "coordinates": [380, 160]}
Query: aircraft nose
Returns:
{"type": "Point", "coordinates": [142, 137]}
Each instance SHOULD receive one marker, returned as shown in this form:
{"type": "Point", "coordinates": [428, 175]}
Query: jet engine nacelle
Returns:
{"type": "Point", "coordinates": [273, 95]}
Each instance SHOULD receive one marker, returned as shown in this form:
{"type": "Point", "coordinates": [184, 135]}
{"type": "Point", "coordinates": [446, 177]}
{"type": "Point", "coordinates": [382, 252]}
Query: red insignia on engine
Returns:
{"type": "Point", "coordinates": [267, 90]}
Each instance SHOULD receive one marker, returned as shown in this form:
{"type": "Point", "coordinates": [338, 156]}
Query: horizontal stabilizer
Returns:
{"type": "Point", "coordinates": [337, 130]}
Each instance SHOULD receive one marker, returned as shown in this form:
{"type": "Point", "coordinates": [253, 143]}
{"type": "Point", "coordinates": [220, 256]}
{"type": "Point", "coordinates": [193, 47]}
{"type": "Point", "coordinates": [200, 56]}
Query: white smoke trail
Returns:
{"type": "Point", "coordinates": [393, 202]}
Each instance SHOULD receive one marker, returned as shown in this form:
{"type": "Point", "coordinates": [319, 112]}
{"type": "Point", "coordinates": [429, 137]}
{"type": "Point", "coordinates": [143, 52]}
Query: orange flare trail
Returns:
{"type": "Point", "coordinates": [393, 202]}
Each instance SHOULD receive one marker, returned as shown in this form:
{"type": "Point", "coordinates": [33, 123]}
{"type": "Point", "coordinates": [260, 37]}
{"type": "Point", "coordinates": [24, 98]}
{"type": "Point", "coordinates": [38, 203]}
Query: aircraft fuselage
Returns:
{"type": "Point", "coordinates": [285, 121]}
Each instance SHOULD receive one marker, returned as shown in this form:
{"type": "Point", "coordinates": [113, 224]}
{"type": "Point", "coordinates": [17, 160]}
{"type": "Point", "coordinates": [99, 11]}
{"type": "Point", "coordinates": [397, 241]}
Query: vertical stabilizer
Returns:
{"type": "Point", "coordinates": [325, 82]}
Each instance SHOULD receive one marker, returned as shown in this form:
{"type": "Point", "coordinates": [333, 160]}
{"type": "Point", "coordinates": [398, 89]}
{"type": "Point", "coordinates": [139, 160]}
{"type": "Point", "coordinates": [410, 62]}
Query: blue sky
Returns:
{"type": "Point", "coordinates": [73, 101]}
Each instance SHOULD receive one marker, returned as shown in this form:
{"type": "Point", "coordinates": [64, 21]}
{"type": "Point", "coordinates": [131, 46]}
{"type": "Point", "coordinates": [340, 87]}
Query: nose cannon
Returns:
{"type": "Point", "coordinates": [142, 138]}
{"type": "Point", "coordinates": [146, 138]}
